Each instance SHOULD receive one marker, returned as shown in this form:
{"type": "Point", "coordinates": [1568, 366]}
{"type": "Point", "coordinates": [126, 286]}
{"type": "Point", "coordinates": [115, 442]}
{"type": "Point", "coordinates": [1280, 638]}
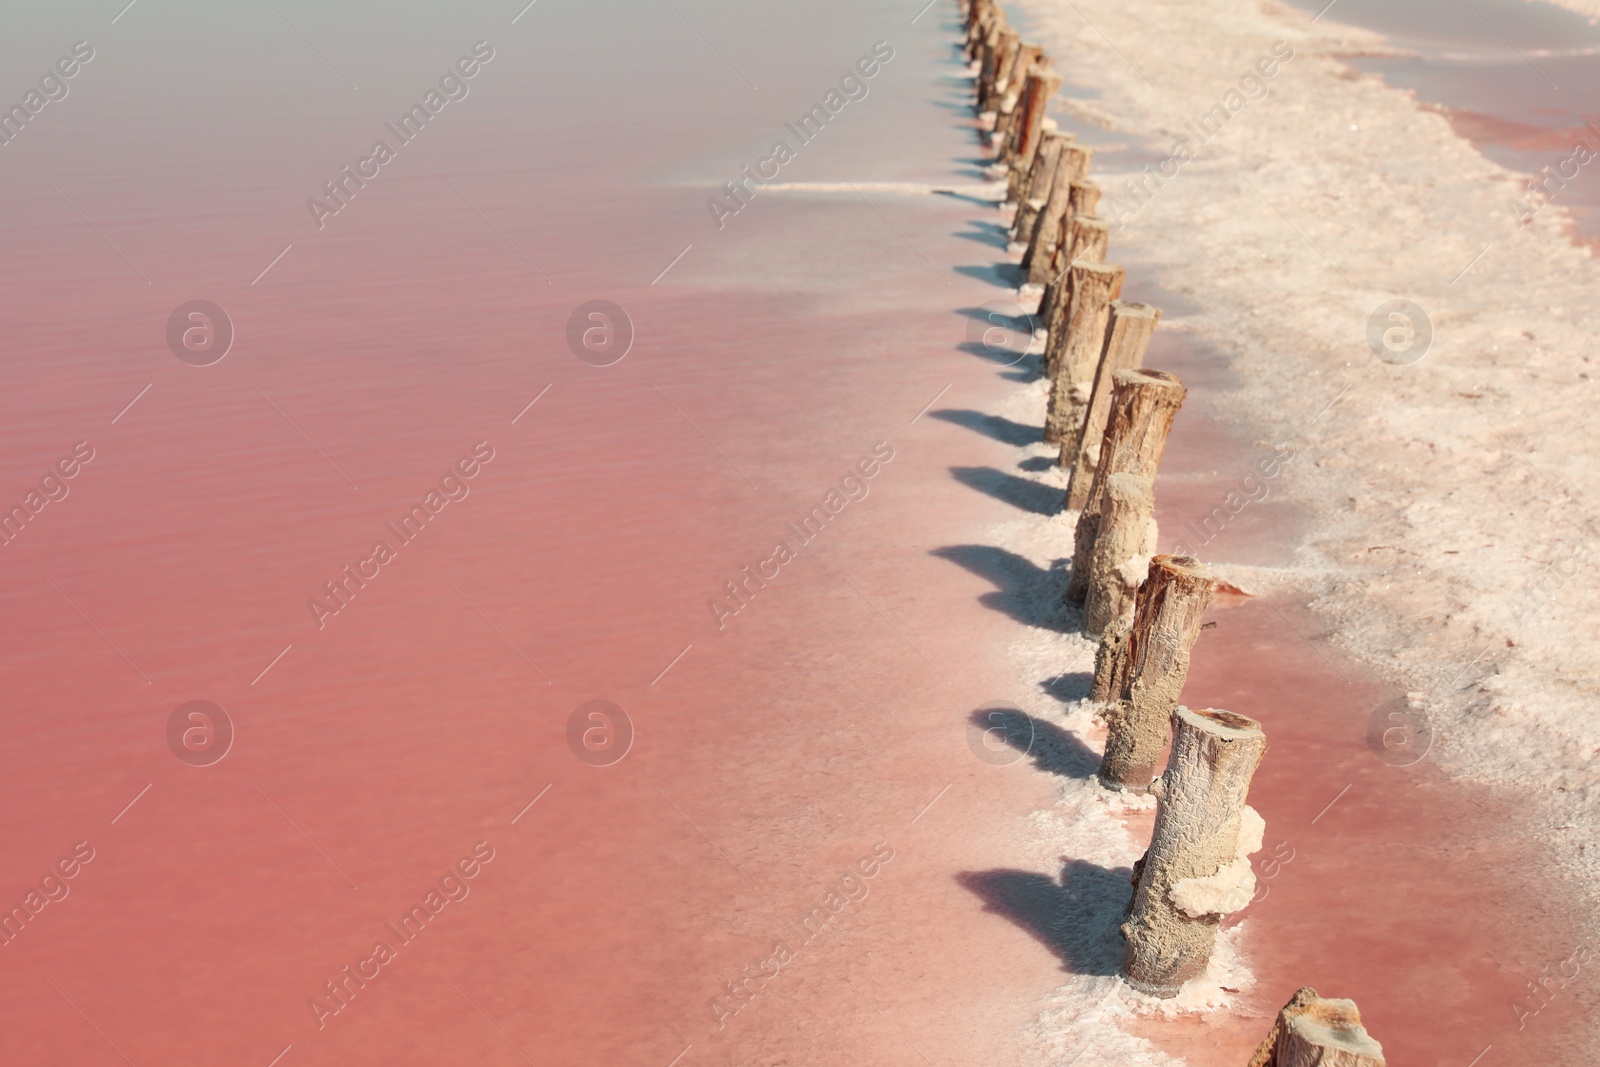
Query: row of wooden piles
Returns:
{"type": "Point", "coordinates": [1110, 416]}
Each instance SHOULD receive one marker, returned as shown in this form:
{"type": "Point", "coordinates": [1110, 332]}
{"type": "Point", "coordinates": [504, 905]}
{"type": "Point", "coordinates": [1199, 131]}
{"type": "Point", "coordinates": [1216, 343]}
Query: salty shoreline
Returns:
{"type": "Point", "coordinates": [1285, 284]}
{"type": "Point", "coordinates": [1440, 502]}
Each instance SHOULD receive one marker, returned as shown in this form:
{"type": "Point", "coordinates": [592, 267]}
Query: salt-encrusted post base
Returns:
{"type": "Point", "coordinates": [1121, 553]}
{"type": "Point", "coordinates": [1197, 868]}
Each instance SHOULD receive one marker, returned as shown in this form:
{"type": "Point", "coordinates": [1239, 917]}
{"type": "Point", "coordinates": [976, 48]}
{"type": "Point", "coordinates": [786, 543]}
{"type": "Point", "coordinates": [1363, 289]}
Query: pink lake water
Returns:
{"type": "Point", "coordinates": [810, 753]}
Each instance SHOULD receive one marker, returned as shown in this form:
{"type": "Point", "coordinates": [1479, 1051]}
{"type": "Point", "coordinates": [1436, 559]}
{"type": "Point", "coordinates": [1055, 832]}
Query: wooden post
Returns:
{"type": "Point", "coordinates": [1051, 237]}
{"type": "Point", "coordinates": [1042, 239]}
{"type": "Point", "coordinates": [1143, 405]}
{"type": "Point", "coordinates": [997, 73]}
{"type": "Point", "coordinates": [1313, 1031]}
{"type": "Point", "coordinates": [1121, 552]}
{"type": "Point", "coordinates": [1111, 663]}
{"type": "Point", "coordinates": [988, 48]}
{"type": "Point", "coordinates": [1088, 246]}
{"type": "Point", "coordinates": [1041, 84]}
{"type": "Point", "coordinates": [1090, 238]}
{"type": "Point", "coordinates": [1166, 621]}
{"type": "Point", "coordinates": [1082, 199]}
{"type": "Point", "coordinates": [1007, 96]}
{"type": "Point", "coordinates": [1127, 336]}
{"type": "Point", "coordinates": [1085, 197]}
{"type": "Point", "coordinates": [1028, 55]}
{"type": "Point", "coordinates": [1041, 179]}
{"type": "Point", "coordinates": [1197, 868]}
{"type": "Point", "coordinates": [1094, 286]}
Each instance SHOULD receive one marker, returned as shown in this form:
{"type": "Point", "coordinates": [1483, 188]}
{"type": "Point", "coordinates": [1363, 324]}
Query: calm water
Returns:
{"type": "Point", "coordinates": [205, 884]}
{"type": "Point", "coordinates": [381, 752]}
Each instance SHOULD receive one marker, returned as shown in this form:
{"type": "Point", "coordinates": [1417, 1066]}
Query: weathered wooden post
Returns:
{"type": "Point", "coordinates": [1041, 237]}
{"type": "Point", "coordinates": [1143, 405]}
{"type": "Point", "coordinates": [1313, 1031]}
{"type": "Point", "coordinates": [1051, 237]}
{"type": "Point", "coordinates": [1085, 244]}
{"type": "Point", "coordinates": [1166, 622]}
{"type": "Point", "coordinates": [1094, 287]}
{"type": "Point", "coordinates": [1089, 237]}
{"type": "Point", "coordinates": [997, 74]}
{"type": "Point", "coordinates": [1198, 866]}
{"type": "Point", "coordinates": [1083, 196]}
{"type": "Point", "coordinates": [1078, 164]}
{"type": "Point", "coordinates": [1127, 336]}
{"type": "Point", "coordinates": [985, 76]}
{"type": "Point", "coordinates": [1111, 661]}
{"type": "Point", "coordinates": [1041, 179]}
{"type": "Point", "coordinates": [1028, 57]}
{"type": "Point", "coordinates": [1041, 83]}
{"type": "Point", "coordinates": [987, 53]}
{"type": "Point", "coordinates": [1121, 552]}
{"type": "Point", "coordinates": [1007, 97]}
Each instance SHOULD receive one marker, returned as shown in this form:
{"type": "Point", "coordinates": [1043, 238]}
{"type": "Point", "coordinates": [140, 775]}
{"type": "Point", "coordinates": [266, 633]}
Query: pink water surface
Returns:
{"type": "Point", "coordinates": [810, 753]}
{"type": "Point", "coordinates": [376, 748]}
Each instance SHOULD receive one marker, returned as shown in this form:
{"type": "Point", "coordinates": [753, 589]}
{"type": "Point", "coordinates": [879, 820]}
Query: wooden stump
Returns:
{"type": "Point", "coordinates": [1094, 287]}
{"type": "Point", "coordinates": [1028, 123]}
{"type": "Point", "coordinates": [1197, 868]}
{"type": "Point", "coordinates": [1111, 663]}
{"type": "Point", "coordinates": [1166, 620]}
{"type": "Point", "coordinates": [1072, 167]}
{"type": "Point", "coordinates": [1313, 1031]}
{"type": "Point", "coordinates": [1077, 162]}
{"type": "Point", "coordinates": [1127, 336]}
{"type": "Point", "coordinates": [1049, 252]}
{"type": "Point", "coordinates": [1088, 246]}
{"type": "Point", "coordinates": [996, 76]}
{"type": "Point", "coordinates": [1041, 179]}
{"type": "Point", "coordinates": [986, 55]}
{"type": "Point", "coordinates": [1121, 553]}
{"type": "Point", "coordinates": [1090, 238]}
{"type": "Point", "coordinates": [1143, 405]}
{"type": "Point", "coordinates": [1043, 237]}
{"type": "Point", "coordinates": [1056, 195]}
{"type": "Point", "coordinates": [990, 31]}
{"type": "Point", "coordinates": [1085, 197]}
{"type": "Point", "coordinates": [1001, 128]}
{"type": "Point", "coordinates": [1009, 81]}
{"type": "Point", "coordinates": [1028, 56]}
